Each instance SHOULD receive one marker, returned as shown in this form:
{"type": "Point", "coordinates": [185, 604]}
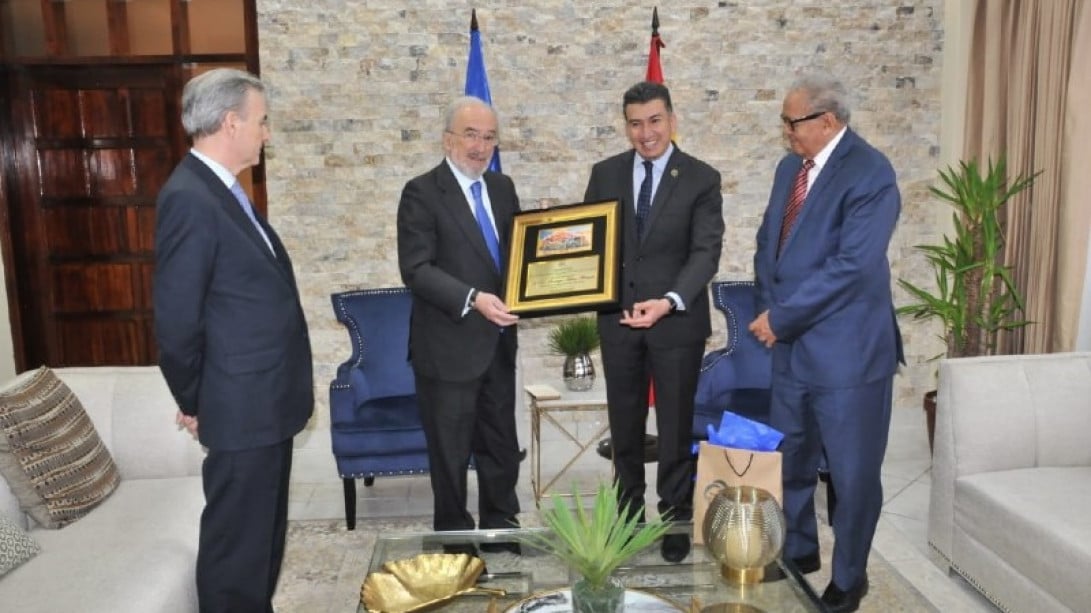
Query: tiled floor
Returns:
{"type": "Point", "coordinates": [900, 539]}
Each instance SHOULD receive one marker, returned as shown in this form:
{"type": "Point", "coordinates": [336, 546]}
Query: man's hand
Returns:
{"type": "Point", "coordinates": [645, 314]}
{"type": "Point", "coordinates": [493, 309]}
{"type": "Point", "coordinates": [761, 330]}
{"type": "Point", "coordinates": [189, 422]}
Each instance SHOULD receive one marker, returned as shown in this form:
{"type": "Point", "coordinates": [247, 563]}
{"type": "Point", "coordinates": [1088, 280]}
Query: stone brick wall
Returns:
{"type": "Point", "coordinates": [358, 89]}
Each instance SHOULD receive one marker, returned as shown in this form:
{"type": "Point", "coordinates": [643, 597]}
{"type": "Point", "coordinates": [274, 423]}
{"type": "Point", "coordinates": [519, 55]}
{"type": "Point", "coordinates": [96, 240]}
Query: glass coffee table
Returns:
{"type": "Point", "coordinates": [693, 585]}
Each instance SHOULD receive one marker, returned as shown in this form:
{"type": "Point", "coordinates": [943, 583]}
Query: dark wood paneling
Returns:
{"type": "Point", "coordinates": [56, 28]}
{"type": "Point", "coordinates": [149, 112]}
{"type": "Point", "coordinates": [90, 224]}
{"type": "Point", "coordinates": [117, 19]}
{"type": "Point", "coordinates": [85, 145]}
{"type": "Point", "coordinates": [83, 231]}
{"type": "Point", "coordinates": [113, 172]}
{"type": "Point", "coordinates": [103, 113]}
{"type": "Point", "coordinates": [89, 287]}
{"type": "Point", "coordinates": [52, 112]}
{"type": "Point", "coordinates": [104, 341]}
{"type": "Point", "coordinates": [63, 173]}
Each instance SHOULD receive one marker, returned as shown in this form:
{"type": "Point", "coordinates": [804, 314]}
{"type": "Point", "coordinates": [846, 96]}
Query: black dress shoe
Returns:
{"type": "Point", "coordinates": [841, 601]}
{"type": "Point", "coordinates": [502, 546]}
{"type": "Point", "coordinates": [605, 448]}
{"type": "Point", "coordinates": [675, 547]}
{"type": "Point", "coordinates": [807, 564]}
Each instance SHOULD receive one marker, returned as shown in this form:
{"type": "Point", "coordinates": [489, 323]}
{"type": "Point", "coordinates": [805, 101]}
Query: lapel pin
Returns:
{"type": "Point", "coordinates": [674, 173]}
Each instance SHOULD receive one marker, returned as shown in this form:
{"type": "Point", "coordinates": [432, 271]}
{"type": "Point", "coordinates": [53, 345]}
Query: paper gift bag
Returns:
{"type": "Point", "coordinates": [719, 467]}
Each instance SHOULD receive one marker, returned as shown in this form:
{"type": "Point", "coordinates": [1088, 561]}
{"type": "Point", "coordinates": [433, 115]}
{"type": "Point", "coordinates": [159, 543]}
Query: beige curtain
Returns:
{"type": "Point", "coordinates": [1023, 80]}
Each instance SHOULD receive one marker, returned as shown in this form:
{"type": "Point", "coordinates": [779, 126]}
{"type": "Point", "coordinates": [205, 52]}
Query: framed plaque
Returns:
{"type": "Point", "coordinates": [564, 259]}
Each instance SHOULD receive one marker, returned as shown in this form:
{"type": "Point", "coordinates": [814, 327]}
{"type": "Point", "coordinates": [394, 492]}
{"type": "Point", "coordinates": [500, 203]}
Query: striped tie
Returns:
{"type": "Point", "coordinates": [795, 202]}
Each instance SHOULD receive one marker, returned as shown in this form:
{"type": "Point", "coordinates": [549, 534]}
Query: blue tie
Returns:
{"type": "Point", "coordinates": [644, 200]}
{"type": "Point", "coordinates": [248, 208]}
{"type": "Point", "coordinates": [483, 222]}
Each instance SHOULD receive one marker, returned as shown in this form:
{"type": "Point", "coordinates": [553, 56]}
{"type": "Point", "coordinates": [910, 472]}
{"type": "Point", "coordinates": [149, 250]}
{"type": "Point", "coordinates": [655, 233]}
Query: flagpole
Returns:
{"type": "Point", "coordinates": [477, 81]}
{"type": "Point", "coordinates": [655, 69]}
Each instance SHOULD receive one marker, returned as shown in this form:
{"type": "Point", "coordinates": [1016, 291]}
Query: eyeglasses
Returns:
{"type": "Point", "coordinates": [791, 123]}
{"type": "Point", "coordinates": [470, 137]}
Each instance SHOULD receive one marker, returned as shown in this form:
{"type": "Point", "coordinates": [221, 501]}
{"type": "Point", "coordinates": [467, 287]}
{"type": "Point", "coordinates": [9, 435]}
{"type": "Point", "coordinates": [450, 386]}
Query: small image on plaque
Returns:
{"type": "Point", "coordinates": [564, 240]}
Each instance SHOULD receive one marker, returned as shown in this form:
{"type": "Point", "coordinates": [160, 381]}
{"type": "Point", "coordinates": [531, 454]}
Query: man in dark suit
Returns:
{"type": "Point", "coordinates": [825, 308]}
{"type": "Point", "coordinates": [453, 225]}
{"type": "Point", "coordinates": [672, 230]}
{"type": "Point", "coordinates": [233, 344]}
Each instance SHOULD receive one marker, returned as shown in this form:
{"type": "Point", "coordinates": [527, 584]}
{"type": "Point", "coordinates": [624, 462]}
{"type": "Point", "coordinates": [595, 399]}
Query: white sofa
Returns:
{"type": "Point", "coordinates": [137, 551]}
{"type": "Point", "coordinates": [1011, 479]}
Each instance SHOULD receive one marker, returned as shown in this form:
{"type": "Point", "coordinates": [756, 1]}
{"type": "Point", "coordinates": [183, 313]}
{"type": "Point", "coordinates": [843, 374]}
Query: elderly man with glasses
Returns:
{"type": "Point", "coordinates": [453, 225]}
{"type": "Point", "coordinates": [826, 310]}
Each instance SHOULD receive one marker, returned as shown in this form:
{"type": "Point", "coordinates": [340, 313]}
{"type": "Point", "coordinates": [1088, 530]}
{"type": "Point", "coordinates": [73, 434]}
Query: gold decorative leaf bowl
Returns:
{"type": "Point", "coordinates": [420, 582]}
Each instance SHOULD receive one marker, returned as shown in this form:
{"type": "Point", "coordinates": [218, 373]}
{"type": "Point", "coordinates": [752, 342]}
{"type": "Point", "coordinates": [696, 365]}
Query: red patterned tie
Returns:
{"type": "Point", "coordinates": [795, 202]}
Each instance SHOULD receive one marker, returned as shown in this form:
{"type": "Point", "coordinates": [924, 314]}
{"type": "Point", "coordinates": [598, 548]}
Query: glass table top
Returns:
{"type": "Point", "coordinates": [692, 585]}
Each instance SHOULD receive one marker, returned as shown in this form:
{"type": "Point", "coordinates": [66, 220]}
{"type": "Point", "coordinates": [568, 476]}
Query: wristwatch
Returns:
{"type": "Point", "coordinates": [473, 297]}
{"type": "Point", "coordinates": [672, 301]}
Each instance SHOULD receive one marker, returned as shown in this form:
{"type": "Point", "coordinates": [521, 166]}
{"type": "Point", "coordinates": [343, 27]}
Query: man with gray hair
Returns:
{"type": "Point", "coordinates": [233, 342]}
{"type": "Point", "coordinates": [825, 307]}
{"type": "Point", "coordinates": [454, 223]}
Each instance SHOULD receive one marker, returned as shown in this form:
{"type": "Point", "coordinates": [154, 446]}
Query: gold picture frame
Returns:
{"type": "Point", "coordinates": [564, 259]}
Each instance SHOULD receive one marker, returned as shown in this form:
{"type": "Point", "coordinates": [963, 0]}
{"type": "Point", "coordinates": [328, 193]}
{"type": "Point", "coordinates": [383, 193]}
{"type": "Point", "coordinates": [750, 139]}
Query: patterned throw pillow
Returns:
{"type": "Point", "coordinates": [15, 546]}
{"type": "Point", "coordinates": [52, 457]}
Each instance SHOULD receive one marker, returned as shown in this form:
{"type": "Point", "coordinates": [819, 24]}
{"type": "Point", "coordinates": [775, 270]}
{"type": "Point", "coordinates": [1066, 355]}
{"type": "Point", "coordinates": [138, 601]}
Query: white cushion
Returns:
{"type": "Point", "coordinates": [136, 552]}
{"type": "Point", "coordinates": [1036, 520]}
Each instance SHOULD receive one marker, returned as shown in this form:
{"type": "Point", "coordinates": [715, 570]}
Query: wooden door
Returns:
{"type": "Point", "coordinates": [92, 145]}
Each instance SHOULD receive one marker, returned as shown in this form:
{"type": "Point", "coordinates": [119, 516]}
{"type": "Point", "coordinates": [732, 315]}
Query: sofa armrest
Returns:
{"type": "Point", "coordinates": [133, 411]}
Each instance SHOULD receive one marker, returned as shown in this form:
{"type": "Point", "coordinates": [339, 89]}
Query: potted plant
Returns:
{"type": "Point", "coordinates": [594, 543]}
{"type": "Point", "coordinates": [575, 338]}
{"type": "Point", "coordinates": [974, 297]}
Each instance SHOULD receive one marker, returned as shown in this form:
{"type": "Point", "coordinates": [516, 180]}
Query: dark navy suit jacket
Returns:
{"type": "Point", "coordinates": [442, 255]}
{"type": "Point", "coordinates": [233, 342]}
{"type": "Point", "coordinates": [828, 293]}
{"type": "Point", "coordinates": [681, 248]}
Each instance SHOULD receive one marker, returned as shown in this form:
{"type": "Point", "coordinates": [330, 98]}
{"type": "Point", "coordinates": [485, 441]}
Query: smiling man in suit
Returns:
{"type": "Point", "coordinates": [672, 217]}
{"type": "Point", "coordinates": [233, 342]}
{"type": "Point", "coordinates": [825, 308]}
{"type": "Point", "coordinates": [453, 226]}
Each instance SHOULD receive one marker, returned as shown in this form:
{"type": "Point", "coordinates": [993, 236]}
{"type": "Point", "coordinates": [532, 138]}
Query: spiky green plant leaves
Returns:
{"type": "Point", "coordinates": [574, 336]}
{"type": "Point", "coordinates": [595, 542]}
{"type": "Point", "coordinates": [975, 296]}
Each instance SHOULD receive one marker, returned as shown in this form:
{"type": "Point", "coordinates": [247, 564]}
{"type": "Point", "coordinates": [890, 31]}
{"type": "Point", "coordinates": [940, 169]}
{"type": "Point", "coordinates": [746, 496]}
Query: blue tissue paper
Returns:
{"type": "Point", "coordinates": [741, 433]}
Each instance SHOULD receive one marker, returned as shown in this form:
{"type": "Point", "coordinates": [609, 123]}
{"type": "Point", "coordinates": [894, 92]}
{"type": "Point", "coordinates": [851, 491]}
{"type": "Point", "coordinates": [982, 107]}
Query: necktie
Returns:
{"type": "Point", "coordinates": [795, 202]}
{"type": "Point", "coordinates": [644, 199]}
{"type": "Point", "coordinates": [484, 224]}
{"type": "Point", "coordinates": [248, 208]}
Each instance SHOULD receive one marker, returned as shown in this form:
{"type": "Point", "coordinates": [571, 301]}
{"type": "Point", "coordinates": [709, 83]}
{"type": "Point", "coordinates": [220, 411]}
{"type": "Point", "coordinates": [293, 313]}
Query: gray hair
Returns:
{"type": "Point", "coordinates": [462, 102]}
{"type": "Point", "coordinates": [208, 97]}
{"type": "Point", "coordinates": [825, 93]}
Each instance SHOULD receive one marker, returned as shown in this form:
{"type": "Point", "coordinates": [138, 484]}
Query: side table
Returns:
{"type": "Point", "coordinates": [545, 402]}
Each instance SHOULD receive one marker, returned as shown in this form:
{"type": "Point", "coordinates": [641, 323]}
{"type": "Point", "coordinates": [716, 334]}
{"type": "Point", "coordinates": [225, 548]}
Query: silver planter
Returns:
{"type": "Point", "coordinates": [579, 372]}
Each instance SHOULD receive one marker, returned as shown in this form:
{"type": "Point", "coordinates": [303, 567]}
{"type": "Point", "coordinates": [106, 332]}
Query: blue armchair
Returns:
{"type": "Point", "coordinates": [737, 377]}
{"type": "Point", "coordinates": [374, 420]}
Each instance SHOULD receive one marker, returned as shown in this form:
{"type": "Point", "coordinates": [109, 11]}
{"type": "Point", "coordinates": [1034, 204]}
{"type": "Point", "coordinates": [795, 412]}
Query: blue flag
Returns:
{"type": "Point", "coordinates": [477, 82]}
